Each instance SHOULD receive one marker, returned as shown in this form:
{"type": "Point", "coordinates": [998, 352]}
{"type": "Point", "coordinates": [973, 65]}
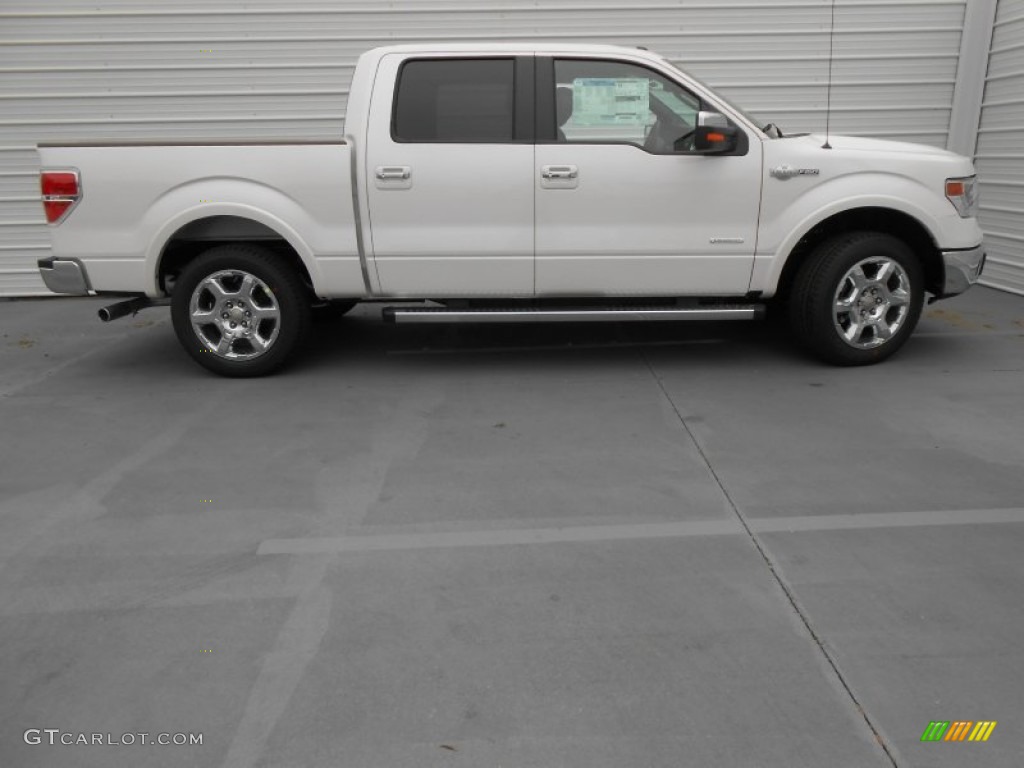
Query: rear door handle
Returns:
{"type": "Point", "coordinates": [393, 172]}
{"type": "Point", "coordinates": [559, 172]}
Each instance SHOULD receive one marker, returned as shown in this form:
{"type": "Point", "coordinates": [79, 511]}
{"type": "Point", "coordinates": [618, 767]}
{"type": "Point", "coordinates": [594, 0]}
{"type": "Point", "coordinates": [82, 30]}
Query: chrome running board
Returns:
{"type": "Point", "coordinates": [586, 315]}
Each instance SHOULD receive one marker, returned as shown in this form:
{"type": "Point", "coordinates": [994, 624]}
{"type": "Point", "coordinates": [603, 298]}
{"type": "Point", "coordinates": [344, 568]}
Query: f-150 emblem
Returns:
{"type": "Point", "coordinates": [784, 172]}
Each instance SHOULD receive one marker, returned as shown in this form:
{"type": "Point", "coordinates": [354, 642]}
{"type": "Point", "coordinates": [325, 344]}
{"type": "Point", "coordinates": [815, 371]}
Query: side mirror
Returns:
{"type": "Point", "coordinates": [713, 134]}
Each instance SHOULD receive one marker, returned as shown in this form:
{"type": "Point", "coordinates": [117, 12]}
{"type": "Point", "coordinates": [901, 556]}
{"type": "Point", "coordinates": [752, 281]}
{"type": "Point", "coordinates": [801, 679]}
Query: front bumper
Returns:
{"type": "Point", "coordinates": [962, 269]}
{"type": "Point", "coordinates": [64, 276]}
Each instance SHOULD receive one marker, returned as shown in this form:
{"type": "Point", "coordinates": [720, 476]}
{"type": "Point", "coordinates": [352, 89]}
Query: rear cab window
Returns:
{"type": "Point", "coordinates": [455, 100]}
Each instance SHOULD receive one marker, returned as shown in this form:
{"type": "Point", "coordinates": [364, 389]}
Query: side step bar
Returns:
{"type": "Point", "coordinates": [588, 315]}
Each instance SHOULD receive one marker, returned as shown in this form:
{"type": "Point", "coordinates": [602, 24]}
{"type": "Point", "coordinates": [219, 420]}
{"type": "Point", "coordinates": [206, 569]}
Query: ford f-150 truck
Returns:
{"type": "Point", "coordinates": [509, 183]}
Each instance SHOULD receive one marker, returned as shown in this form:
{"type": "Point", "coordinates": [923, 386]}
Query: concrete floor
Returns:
{"type": "Point", "coordinates": [511, 546]}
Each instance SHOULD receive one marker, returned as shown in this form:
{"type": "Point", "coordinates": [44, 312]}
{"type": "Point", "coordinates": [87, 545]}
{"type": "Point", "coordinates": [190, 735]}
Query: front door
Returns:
{"type": "Point", "coordinates": [625, 207]}
{"type": "Point", "coordinates": [450, 178]}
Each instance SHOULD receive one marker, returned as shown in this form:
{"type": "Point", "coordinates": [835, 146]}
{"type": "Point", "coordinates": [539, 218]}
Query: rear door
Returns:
{"type": "Point", "coordinates": [449, 171]}
{"type": "Point", "coordinates": [625, 206]}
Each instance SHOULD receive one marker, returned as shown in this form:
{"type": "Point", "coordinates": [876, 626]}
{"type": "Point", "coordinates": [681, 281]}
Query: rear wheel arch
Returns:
{"type": "Point", "coordinates": [191, 239]}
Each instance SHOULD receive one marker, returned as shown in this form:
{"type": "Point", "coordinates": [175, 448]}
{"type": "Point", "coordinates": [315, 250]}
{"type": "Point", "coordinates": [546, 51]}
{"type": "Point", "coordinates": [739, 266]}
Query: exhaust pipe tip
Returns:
{"type": "Point", "coordinates": [128, 307]}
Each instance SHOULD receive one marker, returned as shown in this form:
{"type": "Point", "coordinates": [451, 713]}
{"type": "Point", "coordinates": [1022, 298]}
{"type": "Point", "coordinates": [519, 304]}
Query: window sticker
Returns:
{"type": "Point", "coordinates": [610, 101]}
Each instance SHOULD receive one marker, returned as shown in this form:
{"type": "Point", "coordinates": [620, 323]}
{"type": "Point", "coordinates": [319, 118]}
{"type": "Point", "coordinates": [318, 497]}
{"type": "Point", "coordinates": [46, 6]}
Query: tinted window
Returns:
{"type": "Point", "coordinates": [467, 100]}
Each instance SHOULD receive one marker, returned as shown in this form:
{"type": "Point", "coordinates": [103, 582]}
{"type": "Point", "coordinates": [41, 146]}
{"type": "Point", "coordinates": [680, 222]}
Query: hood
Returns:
{"type": "Point", "coordinates": [878, 146]}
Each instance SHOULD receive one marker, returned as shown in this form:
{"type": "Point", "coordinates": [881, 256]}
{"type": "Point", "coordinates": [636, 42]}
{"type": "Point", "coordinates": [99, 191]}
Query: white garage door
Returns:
{"type": "Point", "coordinates": [1000, 158]}
{"type": "Point", "coordinates": [87, 69]}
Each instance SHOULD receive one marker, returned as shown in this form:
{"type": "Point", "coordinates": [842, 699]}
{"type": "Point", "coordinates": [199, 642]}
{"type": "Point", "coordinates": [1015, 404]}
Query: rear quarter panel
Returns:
{"type": "Point", "coordinates": [134, 198]}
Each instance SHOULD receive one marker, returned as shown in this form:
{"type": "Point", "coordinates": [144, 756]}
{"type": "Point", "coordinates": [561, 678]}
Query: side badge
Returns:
{"type": "Point", "coordinates": [784, 172]}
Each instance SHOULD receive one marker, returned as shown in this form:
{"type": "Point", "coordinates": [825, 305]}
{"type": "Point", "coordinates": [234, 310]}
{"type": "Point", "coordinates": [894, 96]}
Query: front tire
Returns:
{"type": "Point", "coordinates": [857, 299]}
{"type": "Point", "coordinates": [239, 311]}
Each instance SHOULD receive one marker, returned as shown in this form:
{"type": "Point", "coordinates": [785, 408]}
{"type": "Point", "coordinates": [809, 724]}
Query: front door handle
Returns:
{"type": "Point", "coordinates": [393, 172]}
{"type": "Point", "coordinates": [559, 172]}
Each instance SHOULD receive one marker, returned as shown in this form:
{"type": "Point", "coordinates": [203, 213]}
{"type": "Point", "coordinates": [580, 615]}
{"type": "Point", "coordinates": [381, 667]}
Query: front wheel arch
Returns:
{"type": "Point", "coordinates": [888, 221]}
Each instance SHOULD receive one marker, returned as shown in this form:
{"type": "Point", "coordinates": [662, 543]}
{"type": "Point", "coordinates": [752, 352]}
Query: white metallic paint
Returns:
{"type": "Point", "coordinates": [462, 223]}
{"type": "Point", "coordinates": [855, 173]}
{"type": "Point", "coordinates": [643, 224]}
{"type": "Point", "coordinates": [136, 197]}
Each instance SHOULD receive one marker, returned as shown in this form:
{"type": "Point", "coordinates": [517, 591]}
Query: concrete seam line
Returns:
{"type": "Point", "coordinates": [776, 574]}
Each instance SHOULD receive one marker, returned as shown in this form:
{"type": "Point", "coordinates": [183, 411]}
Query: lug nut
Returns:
{"type": "Point", "coordinates": [245, 324]}
{"type": "Point", "coordinates": [225, 315]}
{"type": "Point", "coordinates": [228, 305]}
{"type": "Point", "coordinates": [248, 314]}
{"type": "Point", "coordinates": [233, 324]}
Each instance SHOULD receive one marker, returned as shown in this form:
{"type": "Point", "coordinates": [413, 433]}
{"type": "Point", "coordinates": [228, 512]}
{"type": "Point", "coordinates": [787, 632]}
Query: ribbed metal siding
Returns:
{"type": "Point", "coordinates": [259, 68]}
{"type": "Point", "coordinates": [1000, 158]}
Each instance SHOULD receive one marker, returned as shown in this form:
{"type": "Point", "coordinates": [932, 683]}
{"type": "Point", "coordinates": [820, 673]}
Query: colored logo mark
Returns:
{"type": "Point", "coordinates": [958, 730]}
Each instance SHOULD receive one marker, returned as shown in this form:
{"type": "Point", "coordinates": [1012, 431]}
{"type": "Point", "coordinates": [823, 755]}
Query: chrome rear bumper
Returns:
{"type": "Point", "coordinates": [963, 268]}
{"type": "Point", "coordinates": [64, 276]}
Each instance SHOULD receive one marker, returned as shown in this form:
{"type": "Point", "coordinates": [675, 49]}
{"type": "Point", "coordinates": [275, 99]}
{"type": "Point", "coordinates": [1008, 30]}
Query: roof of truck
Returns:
{"type": "Point", "coordinates": [522, 48]}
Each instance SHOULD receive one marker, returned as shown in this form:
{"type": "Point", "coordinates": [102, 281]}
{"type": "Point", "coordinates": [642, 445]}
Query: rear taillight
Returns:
{"type": "Point", "coordinates": [61, 190]}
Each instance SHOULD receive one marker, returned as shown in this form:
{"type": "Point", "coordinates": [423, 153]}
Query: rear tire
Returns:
{"type": "Point", "coordinates": [239, 311]}
{"type": "Point", "coordinates": [857, 299]}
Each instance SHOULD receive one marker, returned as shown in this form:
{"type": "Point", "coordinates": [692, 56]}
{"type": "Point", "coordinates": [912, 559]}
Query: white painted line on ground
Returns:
{"type": "Point", "coordinates": [498, 538]}
{"type": "Point", "coordinates": [887, 520]}
{"type": "Point", "coordinates": [585, 533]}
{"type": "Point", "coordinates": [282, 669]}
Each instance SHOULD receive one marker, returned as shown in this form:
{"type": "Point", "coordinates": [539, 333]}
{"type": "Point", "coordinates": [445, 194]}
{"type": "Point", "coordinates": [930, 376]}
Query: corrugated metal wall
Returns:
{"type": "Point", "coordinates": [258, 68]}
{"type": "Point", "coordinates": [1000, 158]}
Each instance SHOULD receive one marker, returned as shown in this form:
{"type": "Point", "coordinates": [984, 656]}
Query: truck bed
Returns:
{"type": "Point", "coordinates": [136, 194]}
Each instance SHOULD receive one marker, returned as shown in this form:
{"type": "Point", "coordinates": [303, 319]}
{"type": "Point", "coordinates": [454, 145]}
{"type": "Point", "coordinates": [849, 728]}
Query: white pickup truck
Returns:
{"type": "Point", "coordinates": [510, 183]}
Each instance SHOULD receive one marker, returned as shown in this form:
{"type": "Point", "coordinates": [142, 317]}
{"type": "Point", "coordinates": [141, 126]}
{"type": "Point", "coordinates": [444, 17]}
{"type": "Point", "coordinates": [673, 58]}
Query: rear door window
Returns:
{"type": "Point", "coordinates": [455, 100]}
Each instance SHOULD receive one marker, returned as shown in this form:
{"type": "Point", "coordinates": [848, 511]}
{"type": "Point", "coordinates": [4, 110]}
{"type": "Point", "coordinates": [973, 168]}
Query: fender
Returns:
{"type": "Point", "coordinates": [245, 199]}
{"type": "Point", "coordinates": [784, 223]}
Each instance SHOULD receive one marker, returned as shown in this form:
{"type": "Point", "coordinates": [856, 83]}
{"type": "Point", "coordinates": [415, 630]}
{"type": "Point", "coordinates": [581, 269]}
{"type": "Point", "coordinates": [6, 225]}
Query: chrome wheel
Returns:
{"type": "Point", "coordinates": [872, 302]}
{"type": "Point", "coordinates": [235, 315]}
